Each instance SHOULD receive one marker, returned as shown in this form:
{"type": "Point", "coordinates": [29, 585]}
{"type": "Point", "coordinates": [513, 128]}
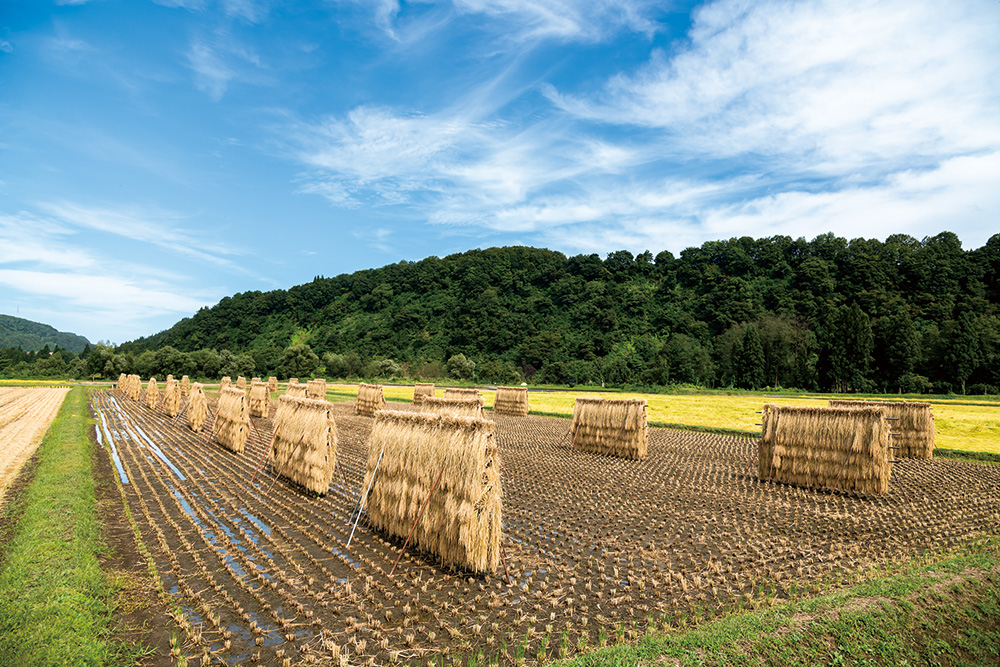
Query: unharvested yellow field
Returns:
{"type": "Point", "coordinates": [968, 425]}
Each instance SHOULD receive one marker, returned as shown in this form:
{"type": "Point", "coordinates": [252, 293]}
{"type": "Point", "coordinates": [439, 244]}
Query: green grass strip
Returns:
{"type": "Point", "coordinates": [54, 600]}
{"type": "Point", "coordinates": [945, 613]}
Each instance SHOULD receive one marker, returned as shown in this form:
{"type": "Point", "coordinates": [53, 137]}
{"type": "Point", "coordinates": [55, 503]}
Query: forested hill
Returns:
{"type": "Point", "coordinates": [822, 314]}
{"type": "Point", "coordinates": [32, 336]}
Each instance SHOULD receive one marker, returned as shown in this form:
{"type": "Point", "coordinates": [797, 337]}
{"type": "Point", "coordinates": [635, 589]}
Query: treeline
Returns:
{"type": "Point", "coordinates": [46, 363]}
{"type": "Point", "coordinates": [827, 314]}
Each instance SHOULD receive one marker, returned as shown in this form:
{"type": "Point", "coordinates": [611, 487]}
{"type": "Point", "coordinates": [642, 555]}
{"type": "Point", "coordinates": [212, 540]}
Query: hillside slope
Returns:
{"type": "Point", "coordinates": [33, 336]}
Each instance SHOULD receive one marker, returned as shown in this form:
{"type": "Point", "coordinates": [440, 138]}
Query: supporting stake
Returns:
{"type": "Point", "coordinates": [403, 550]}
{"type": "Point", "coordinates": [264, 453]}
{"type": "Point", "coordinates": [361, 500]}
{"type": "Point", "coordinates": [181, 410]}
{"type": "Point", "coordinates": [503, 559]}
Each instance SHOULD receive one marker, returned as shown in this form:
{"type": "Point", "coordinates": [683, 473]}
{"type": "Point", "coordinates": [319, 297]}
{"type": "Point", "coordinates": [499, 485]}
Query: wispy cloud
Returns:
{"type": "Point", "coordinates": [219, 59]}
{"type": "Point", "coordinates": [6, 46]}
{"type": "Point", "coordinates": [148, 226]}
{"type": "Point", "coordinates": [586, 20]}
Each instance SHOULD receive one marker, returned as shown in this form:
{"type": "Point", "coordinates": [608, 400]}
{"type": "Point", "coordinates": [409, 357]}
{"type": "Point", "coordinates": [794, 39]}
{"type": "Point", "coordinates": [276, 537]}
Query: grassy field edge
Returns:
{"type": "Point", "coordinates": [55, 603]}
{"type": "Point", "coordinates": [943, 613]}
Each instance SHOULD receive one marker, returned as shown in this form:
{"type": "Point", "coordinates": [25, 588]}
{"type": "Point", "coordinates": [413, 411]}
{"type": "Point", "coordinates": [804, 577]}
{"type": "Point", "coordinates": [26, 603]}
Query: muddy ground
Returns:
{"type": "Point", "coordinates": [597, 548]}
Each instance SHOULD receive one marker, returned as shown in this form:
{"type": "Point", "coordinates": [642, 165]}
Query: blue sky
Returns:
{"type": "Point", "coordinates": [157, 156]}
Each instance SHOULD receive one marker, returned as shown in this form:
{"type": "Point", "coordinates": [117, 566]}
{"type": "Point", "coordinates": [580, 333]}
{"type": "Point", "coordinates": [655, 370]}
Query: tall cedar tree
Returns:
{"type": "Point", "coordinates": [749, 362]}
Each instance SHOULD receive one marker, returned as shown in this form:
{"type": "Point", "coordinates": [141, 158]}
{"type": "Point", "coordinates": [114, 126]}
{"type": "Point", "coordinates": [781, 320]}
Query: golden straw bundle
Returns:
{"type": "Point", "coordinates": [185, 386]}
{"type": "Point", "coordinates": [152, 394]}
{"type": "Point", "coordinates": [455, 407]}
{"type": "Point", "coordinates": [511, 401]}
{"type": "Point", "coordinates": [197, 408]}
{"type": "Point", "coordinates": [231, 419]}
{"type": "Point", "coordinates": [831, 448]}
{"type": "Point", "coordinates": [370, 399]}
{"type": "Point", "coordinates": [610, 426]}
{"type": "Point", "coordinates": [225, 382]}
{"type": "Point", "coordinates": [913, 425]}
{"type": "Point", "coordinates": [259, 399]}
{"type": "Point", "coordinates": [462, 522]}
{"type": "Point", "coordinates": [122, 379]}
{"type": "Point", "coordinates": [305, 442]}
{"type": "Point", "coordinates": [241, 383]}
{"type": "Point", "coordinates": [296, 389]}
{"type": "Point", "coordinates": [316, 389]}
{"type": "Point", "coordinates": [272, 384]}
{"type": "Point", "coordinates": [134, 390]}
{"type": "Point", "coordinates": [421, 390]}
{"type": "Point", "coordinates": [172, 397]}
{"type": "Point", "coordinates": [457, 392]}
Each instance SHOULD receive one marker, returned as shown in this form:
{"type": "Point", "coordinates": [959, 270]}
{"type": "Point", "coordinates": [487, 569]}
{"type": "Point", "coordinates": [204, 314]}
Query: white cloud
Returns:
{"type": "Point", "coordinates": [6, 46]}
{"type": "Point", "coordinates": [587, 20]}
{"type": "Point", "coordinates": [822, 86]}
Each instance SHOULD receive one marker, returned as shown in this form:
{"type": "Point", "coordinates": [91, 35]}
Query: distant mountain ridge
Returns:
{"type": "Point", "coordinates": [31, 336]}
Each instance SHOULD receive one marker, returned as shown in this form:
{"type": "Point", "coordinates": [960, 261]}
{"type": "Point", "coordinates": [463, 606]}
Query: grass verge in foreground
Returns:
{"type": "Point", "coordinates": [947, 613]}
{"type": "Point", "coordinates": [54, 600]}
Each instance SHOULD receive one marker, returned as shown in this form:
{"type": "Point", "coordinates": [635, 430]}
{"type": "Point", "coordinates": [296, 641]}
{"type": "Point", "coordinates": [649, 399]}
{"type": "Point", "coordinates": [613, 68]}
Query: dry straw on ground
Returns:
{"type": "Point", "coordinates": [830, 448]}
{"type": "Point", "coordinates": [172, 397]}
{"type": "Point", "coordinates": [421, 390]}
{"type": "Point", "coordinates": [241, 383]}
{"type": "Point", "coordinates": [121, 381]}
{"type": "Point", "coordinates": [459, 392]}
{"type": "Point", "coordinates": [316, 389]}
{"type": "Point", "coordinates": [305, 442]}
{"type": "Point", "coordinates": [152, 394]}
{"type": "Point", "coordinates": [185, 386]}
{"type": "Point", "coordinates": [225, 382]}
{"type": "Point", "coordinates": [231, 419]}
{"type": "Point", "coordinates": [610, 426]}
{"type": "Point", "coordinates": [272, 383]}
{"type": "Point", "coordinates": [296, 389]}
{"type": "Point", "coordinates": [511, 401]}
{"type": "Point", "coordinates": [913, 422]}
{"type": "Point", "coordinates": [462, 522]}
{"type": "Point", "coordinates": [455, 407]}
{"type": "Point", "coordinates": [197, 408]}
{"type": "Point", "coordinates": [259, 399]}
{"type": "Point", "coordinates": [370, 399]}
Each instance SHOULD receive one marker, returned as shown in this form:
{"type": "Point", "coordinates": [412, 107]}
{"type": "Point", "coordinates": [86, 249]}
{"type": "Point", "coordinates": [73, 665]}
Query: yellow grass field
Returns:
{"type": "Point", "coordinates": [968, 425]}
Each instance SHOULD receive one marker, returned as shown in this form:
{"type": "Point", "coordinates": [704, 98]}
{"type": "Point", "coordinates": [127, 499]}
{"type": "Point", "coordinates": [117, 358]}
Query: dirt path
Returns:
{"type": "Point", "coordinates": [25, 415]}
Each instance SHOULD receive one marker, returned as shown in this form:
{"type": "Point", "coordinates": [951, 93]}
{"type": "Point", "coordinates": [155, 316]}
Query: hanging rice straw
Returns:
{"type": "Point", "coordinates": [259, 399]}
{"type": "Point", "coordinates": [462, 523]}
{"type": "Point", "coordinates": [231, 419]}
{"type": "Point", "coordinates": [610, 426]}
{"type": "Point", "coordinates": [304, 449]}
{"type": "Point", "coordinates": [422, 390]}
{"type": "Point", "coordinates": [454, 407]}
{"type": "Point", "coordinates": [842, 449]}
{"type": "Point", "coordinates": [913, 422]}
{"type": "Point", "coordinates": [511, 401]}
{"type": "Point", "coordinates": [370, 399]}
{"type": "Point", "coordinates": [197, 408]}
{"type": "Point", "coordinates": [316, 389]}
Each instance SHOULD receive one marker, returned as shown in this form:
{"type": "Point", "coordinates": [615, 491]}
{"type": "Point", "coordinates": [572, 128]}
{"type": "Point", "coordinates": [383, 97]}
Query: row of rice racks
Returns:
{"type": "Point", "coordinates": [305, 442]}
{"type": "Point", "coordinates": [849, 446]}
{"type": "Point", "coordinates": [831, 448]}
{"type": "Point", "coordinates": [610, 427]}
{"type": "Point", "coordinates": [913, 427]}
{"type": "Point", "coordinates": [457, 458]}
{"type": "Point", "coordinates": [511, 401]}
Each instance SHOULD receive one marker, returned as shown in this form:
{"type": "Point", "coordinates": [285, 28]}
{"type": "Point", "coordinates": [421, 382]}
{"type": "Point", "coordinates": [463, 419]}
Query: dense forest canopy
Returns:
{"type": "Point", "coordinates": [861, 315]}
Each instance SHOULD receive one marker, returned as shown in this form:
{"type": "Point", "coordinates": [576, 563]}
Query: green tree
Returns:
{"type": "Point", "coordinates": [461, 368]}
{"type": "Point", "coordinates": [298, 361]}
{"type": "Point", "coordinates": [749, 360]}
{"type": "Point", "coordinates": [849, 346]}
{"type": "Point", "coordinates": [897, 348]}
{"type": "Point", "coordinates": [963, 349]}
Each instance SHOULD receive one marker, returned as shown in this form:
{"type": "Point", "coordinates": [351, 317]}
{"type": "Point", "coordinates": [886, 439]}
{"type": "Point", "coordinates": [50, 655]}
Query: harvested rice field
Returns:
{"type": "Point", "coordinates": [597, 548]}
{"type": "Point", "coordinates": [25, 415]}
